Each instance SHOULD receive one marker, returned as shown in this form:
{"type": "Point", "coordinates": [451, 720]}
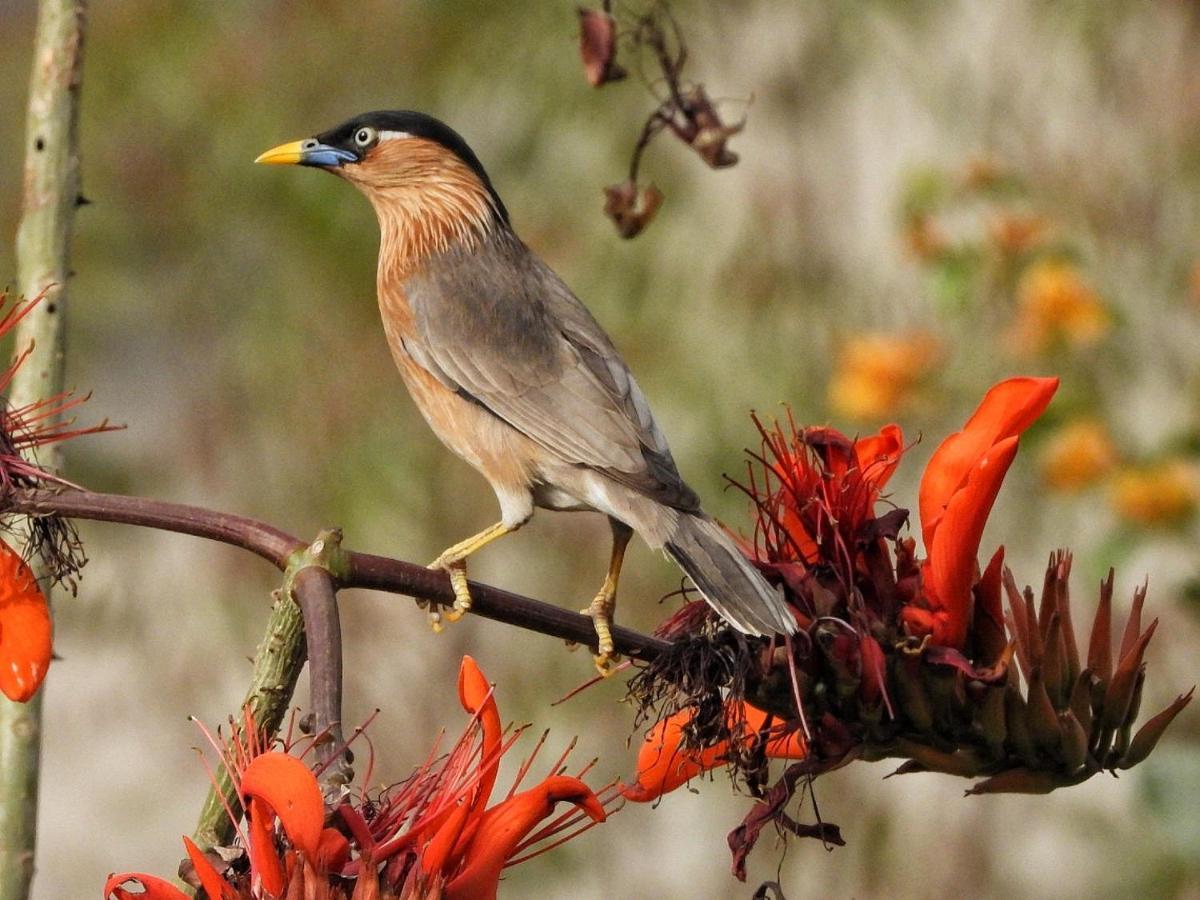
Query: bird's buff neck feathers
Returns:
{"type": "Point", "coordinates": [427, 201]}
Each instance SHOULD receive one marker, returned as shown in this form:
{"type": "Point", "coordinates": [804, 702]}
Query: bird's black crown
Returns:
{"type": "Point", "coordinates": [417, 124]}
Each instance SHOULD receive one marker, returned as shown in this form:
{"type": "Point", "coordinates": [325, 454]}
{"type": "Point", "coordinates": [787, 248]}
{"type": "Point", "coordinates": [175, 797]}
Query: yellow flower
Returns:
{"type": "Point", "coordinates": [1055, 304]}
{"type": "Point", "coordinates": [1164, 493]}
{"type": "Point", "coordinates": [1078, 455]}
{"type": "Point", "coordinates": [876, 375]}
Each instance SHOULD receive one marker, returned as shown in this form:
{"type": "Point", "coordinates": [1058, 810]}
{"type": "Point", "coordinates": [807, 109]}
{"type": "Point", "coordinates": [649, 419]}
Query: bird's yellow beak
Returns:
{"type": "Point", "coordinates": [309, 152]}
{"type": "Point", "coordinates": [289, 154]}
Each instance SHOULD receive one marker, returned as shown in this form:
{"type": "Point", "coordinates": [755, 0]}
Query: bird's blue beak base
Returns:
{"type": "Point", "coordinates": [310, 152]}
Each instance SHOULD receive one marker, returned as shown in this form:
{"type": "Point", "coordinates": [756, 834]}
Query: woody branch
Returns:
{"type": "Point", "coordinates": [350, 569]}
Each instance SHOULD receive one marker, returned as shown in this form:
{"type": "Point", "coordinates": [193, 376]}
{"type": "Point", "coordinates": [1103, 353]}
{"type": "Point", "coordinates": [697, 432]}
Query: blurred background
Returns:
{"type": "Point", "coordinates": [931, 196]}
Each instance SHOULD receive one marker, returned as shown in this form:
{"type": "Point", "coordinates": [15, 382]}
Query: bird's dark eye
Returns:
{"type": "Point", "coordinates": [364, 137]}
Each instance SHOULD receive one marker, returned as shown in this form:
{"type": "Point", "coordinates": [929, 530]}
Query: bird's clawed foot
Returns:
{"type": "Point", "coordinates": [604, 605]}
{"type": "Point", "coordinates": [601, 611]}
{"type": "Point", "coordinates": [454, 563]}
{"type": "Point", "coordinates": [457, 570]}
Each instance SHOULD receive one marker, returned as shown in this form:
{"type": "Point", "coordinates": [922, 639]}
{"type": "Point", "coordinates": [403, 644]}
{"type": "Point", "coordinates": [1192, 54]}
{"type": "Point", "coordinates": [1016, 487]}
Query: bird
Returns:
{"type": "Point", "coordinates": [515, 375]}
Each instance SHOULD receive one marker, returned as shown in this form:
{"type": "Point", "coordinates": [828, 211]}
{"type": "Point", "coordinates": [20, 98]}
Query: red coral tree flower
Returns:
{"type": "Point", "coordinates": [433, 835]}
{"type": "Point", "coordinates": [957, 493]}
{"type": "Point", "coordinates": [897, 657]}
{"type": "Point", "coordinates": [25, 628]}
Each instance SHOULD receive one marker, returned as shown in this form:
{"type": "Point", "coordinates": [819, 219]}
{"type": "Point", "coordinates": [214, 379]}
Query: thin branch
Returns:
{"type": "Point", "coordinates": [271, 544]}
{"type": "Point", "coordinates": [396, 576]}
{"type": "Point", "coordinates": [360, 570]}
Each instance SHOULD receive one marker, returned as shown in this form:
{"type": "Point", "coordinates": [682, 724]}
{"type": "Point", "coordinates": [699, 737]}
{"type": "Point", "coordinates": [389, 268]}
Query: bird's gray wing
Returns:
{"type": "Point", "coordinates": [495, 324]}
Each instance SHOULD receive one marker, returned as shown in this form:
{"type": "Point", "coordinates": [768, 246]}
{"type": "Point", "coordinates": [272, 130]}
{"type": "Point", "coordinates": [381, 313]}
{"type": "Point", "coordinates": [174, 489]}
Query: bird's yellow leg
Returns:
{"type": "Point", "coordinates": [604, 605]}
{"type": "Point", "coordinates": [453, 561]}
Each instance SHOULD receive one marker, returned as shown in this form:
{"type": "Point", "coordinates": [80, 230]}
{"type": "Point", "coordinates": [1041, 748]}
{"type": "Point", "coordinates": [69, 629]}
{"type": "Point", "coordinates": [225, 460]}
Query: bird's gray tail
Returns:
{"type": "Point", "coordinates": [728, 581]}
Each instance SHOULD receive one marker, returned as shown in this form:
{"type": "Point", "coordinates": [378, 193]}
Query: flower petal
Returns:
{"type": "Point", "coordinates": [265, 863]}
{"type": "Point", "coordinates": [477, 697]}
{"type": "Point", "coordinates": [504, 825]}
{"type": "Point", "coordinates": [25, 628]}
{"type": "Point", "coordinates": [879, 454]}
{"type": "Point", "coordinates": [1007, 409]}
{"type": "Point", "coordinates": [151, 888]}
{"type": "Point", "coordinates": [333, 851]}
{"type": "Point", "coordinates": [214, 885]}
{"type": "Point", "coordinates": [286, 785]}
{"type": "Point", "coordinates": [950, 569]}
{"type": "Point", "coordinates": [663, 765]}
{"type": "Point", "coordinates": [437, 852]}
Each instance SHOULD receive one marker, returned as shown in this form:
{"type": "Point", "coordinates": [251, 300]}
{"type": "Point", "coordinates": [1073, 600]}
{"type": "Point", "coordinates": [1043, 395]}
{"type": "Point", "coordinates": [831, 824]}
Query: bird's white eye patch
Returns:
{"type": "Point", "coordinates": [365, 136]}
{"type": "Point", "coordinates": [393, 135]}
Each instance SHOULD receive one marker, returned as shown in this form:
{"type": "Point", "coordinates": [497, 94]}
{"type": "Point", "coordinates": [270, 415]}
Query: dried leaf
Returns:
{"type": "Point", "coordinates": [701, 128]}
{"type": "Point", "coordinates": [598, 47]}
{"type": "Point", "coordinates": [631, 209]}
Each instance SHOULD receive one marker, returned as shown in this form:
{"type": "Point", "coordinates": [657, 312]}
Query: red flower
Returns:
{"type": "Point", "coordinates": [664, 763]}
{"type": "Point", "coordinates": [431, 836]}
{"type": "Point", "coordinates": [897, 657]}
{"type": "Point", "coordinates": [957, 492]}
{"type": "Point", "coordinates": [25, 628]}
{"type": "Point", "coordinates": [818, 490]}
{"type": "Point", "coordinates": [818, 532]}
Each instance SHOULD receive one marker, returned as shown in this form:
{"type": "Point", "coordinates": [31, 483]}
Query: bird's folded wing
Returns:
{"type": "Point", "coordinates": [499, 327]}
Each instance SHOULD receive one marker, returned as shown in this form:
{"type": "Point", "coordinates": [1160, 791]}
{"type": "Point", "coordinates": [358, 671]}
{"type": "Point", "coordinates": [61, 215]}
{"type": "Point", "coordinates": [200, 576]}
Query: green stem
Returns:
{"type": "Point", "coordinates": [277, 665]}
{"type": "Point", "coordinates": [43, 245]}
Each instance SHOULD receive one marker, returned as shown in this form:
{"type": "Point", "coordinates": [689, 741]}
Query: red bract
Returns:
{"type": "Point", "coordinates": [433, 835]}
{"type": "Point", "coordinates": [25, 628]}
